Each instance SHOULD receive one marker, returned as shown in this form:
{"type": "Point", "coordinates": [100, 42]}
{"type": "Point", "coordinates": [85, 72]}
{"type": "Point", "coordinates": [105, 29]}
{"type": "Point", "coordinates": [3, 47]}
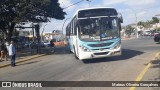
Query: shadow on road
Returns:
{"type": "Point", "coordinates": [59, 51]}
{"type": "Point", "coordinates": [156, 66]}
{"type": "Point", "coordinates": [156, 63]}
{"type": "Point", "coordinates": [126, 54]}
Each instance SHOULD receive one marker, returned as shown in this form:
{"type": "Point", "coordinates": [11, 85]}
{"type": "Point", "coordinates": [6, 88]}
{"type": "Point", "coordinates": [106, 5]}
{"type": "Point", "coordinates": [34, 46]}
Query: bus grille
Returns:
{"type": "Point", "coordinates": [102, 53]}
{"type": "Point", "coordinates": [101, 48]}
{"type": "Point", "coordinates": [100, 45]}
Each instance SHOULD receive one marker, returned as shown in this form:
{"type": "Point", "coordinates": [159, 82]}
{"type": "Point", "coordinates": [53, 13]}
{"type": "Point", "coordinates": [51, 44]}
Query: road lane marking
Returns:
{"type": "Point", "coordinates": [140, 76]}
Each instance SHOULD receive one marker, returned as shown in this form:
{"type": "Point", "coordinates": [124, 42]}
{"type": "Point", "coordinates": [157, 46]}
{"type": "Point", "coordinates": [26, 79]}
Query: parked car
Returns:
{"type": "Point", "coordinates": [155, 33]}
{"type": "Point", "coordinates": [41, 44]}
{"type": "Point", "coordinates": [147, 33]}
{"type": "Point", "coordinates": [52, 42]}
{"type": "Point", "coordinates": [34, 44]}
{"type": "Point", "coordinates": [157, 37]}
{"type": "Point", "coordinates": [47, 44]}
{"type": "Point", "coordinates": [26, 44]}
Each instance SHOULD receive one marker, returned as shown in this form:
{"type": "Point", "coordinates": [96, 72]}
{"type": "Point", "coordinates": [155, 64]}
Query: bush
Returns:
{"type": "Point", "coordinates": [158, 29]}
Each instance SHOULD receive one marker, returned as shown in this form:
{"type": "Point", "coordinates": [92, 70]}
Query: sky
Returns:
{"type": "Point", "coordinates": [132, 11]}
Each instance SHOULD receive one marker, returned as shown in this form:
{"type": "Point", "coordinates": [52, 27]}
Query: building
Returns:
{"type": "Point", "coordinates": [156, 25]}
{"type": "Point", "coordinates": [55, 34]}
{"type": "Point", "coordinates": [28, 33]}
{"type": "Point", "coordinates": [24, 33]}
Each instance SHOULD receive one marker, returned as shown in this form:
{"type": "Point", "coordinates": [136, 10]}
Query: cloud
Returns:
{"type": "Point", "coordinates": [140, 3]}
{"type": "Point", "coordinates": [142, 15]}
{"type": "Point", "coordinates": [65, 4]}
{"type": "Point", "coordinates": [58, 24]}
{"type": "Point", "coordinates": [112, 2]}
{"type": "Point", "coordinates": [144, 10]}
{"type": "Point", "coordinates": [129, 2]}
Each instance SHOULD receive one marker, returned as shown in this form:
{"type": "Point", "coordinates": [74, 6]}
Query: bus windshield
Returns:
{"type": "Point", "coordinates": [98, 29]}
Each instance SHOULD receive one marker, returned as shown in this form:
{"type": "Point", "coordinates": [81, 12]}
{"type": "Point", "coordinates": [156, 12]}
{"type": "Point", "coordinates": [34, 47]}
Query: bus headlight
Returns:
{"type": "Point", "coordinates": [83, 48]}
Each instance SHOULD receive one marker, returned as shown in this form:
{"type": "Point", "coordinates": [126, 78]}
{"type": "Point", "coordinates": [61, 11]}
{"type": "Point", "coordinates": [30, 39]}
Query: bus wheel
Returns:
{"type": "Point", "coordinates": [75, 55]}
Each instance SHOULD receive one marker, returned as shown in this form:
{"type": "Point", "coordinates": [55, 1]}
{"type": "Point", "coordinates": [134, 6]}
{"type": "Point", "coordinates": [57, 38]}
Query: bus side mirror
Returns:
{"type": "Point", "coordinates": [120, 19]}
{"type": "Point", "coordinates": [119, 24]}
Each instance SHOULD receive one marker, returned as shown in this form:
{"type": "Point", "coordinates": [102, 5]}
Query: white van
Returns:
{"type": "Point", "coordinates": [147, 33]}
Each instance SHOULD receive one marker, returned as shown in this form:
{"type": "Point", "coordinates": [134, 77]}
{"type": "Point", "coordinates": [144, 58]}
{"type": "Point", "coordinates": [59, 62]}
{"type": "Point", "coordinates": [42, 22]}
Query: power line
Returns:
{"type": "Point", "coordinates": [76, 3]}
{"type": "Point", "coordinates": [73, 4]}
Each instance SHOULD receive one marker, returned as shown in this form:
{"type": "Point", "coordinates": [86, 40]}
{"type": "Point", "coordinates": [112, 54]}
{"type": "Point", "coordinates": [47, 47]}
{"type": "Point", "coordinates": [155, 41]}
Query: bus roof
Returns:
{"type": "Point", "coordinates": [93, 8]}
{"type": "Point", "coordinates": [96, 8]}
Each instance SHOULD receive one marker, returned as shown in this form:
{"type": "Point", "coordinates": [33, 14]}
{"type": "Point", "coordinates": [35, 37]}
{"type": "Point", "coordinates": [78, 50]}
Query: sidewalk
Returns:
{"type": "Point", "coordinates": [25, 55]}
{"type": "Point", "coordinates": [152, 74]}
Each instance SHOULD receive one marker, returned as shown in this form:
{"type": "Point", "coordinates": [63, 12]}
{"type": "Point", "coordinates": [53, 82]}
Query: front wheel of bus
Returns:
{"type": "Point", "coordinates": [75, 54]}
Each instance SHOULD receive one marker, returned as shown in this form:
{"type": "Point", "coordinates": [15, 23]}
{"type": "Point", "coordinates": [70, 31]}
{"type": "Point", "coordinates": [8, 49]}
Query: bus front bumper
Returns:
{"type": "Point", "coordinates": [99, 54]}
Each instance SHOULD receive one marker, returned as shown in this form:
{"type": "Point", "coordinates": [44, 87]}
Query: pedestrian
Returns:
{"type": "Point", "coordinates": [7, 46]}
{"type": "Point", "coordinates": [3, 52]}
{"type": "Point", "coordinates": [12, 53]}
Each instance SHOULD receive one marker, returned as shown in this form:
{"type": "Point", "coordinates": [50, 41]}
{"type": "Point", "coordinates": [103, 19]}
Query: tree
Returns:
{"type": "Point", "coordinates": [141, 24]}
{"type": "Point", "coordinates": [13, 12]}
{"type": "Point", "coordinates": [15, 32]}
{"type": "Point", "coordinates": [155, 20]}
{"type": "Point", "coordinates": [158, 28]}
{"type": "Point", "coordinates": [148, 24]}
{"type": "Point", "coordinates": [129, 29]}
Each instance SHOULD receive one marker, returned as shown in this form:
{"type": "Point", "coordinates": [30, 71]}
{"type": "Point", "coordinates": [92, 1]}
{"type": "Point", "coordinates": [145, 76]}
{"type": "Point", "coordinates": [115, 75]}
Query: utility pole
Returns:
{"type": "Point", "coordinates": [64, 24]}
{"type": "Point", "coordinates": [136, 26]}
{"type": "Point", "coordinates": [137, 36]}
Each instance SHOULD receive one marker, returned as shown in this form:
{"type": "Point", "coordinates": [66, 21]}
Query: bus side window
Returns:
{"type": "Point", "coordinates": [75, 30]}
{"type": "Point", "coordinates": [110, 24]}
{"type": "Point", "coordinates": [78, 28]}
{"type": "Point", "coordinates": [75, 27]}
{"type": "Point", "coordinates": [71, 32]}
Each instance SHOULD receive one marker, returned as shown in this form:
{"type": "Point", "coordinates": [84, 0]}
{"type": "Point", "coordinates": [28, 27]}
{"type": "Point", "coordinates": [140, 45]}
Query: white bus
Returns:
{"type": "Point", "coordinates": [95, 33]}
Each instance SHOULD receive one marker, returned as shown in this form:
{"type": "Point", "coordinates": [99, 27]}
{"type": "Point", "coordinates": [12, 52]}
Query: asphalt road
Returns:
{"type": "Point", "coordinates": [62, 66]}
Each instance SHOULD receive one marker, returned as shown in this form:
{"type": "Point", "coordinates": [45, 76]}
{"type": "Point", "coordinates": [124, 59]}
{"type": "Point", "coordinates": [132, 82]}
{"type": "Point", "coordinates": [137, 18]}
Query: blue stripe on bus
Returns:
{"type": "Point", "coordinates": [114, 42]}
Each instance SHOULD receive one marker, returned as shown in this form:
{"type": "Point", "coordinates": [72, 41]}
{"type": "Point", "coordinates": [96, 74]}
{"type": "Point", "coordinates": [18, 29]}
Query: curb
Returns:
{"type": "Point", "coordinates": [140, 76]}
{"type": "Point", "coordinates": [23, 60]}
{"type": "Point", "coordinates": [157, 55]}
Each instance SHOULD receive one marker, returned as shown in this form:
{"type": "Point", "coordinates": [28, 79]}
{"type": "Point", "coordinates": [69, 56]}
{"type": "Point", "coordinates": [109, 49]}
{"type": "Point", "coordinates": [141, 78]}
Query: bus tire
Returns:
{"type": "Point", "coordinates": [75, 55]}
